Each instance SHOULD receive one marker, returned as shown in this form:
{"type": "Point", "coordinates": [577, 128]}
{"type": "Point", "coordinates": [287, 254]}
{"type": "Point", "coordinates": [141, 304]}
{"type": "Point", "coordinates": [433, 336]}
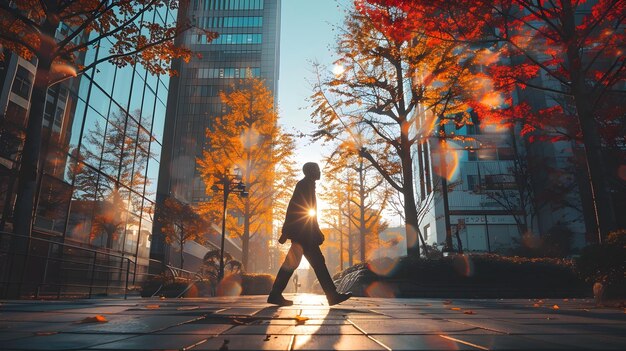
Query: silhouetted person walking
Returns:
{"type": "Point", "coordinates": [302, 229]}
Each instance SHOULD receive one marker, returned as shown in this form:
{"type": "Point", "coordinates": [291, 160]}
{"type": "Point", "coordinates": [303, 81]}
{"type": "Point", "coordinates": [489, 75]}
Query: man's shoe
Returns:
{"type": "Point", "coordinates": [338, 298]}
{"type": "Point", "coordinates": [279, 300]}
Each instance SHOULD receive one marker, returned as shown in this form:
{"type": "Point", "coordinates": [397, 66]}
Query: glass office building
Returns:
{"type": "Point", "coordinates": [248, 45]}
{"type": "Point", "coordinates": [102, 141]}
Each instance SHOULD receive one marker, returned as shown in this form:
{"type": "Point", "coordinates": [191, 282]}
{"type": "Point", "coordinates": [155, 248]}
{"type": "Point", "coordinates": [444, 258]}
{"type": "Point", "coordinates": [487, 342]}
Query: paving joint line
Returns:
{"type": "Point", "coordinates": [463, 342]}
{"type": "Point", "coordinates": [369, 336]}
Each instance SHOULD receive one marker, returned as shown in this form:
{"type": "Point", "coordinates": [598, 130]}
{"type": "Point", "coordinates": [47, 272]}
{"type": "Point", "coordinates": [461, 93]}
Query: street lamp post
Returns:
{"type": "Point", "coordinates": [230, 184]}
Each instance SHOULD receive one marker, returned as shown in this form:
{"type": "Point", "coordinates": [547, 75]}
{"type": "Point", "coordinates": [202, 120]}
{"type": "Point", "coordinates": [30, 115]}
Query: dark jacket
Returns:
{"type": "Point", "coordinates": [299, 226]}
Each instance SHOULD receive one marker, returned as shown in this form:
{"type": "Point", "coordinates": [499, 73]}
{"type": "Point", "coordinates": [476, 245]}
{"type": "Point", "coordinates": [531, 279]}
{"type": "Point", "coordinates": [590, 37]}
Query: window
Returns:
{"type": "Point", "coordinates": [232, 22]}
{"type": "Point", "coordinates": [22, 83]}
{"type": "Point", "coordinates": [471, 155]}
{"type": "Point", "coordinates": [472, 182]}
{"type": "Point", "coordinates": [486, 154]}
{"type": "Point", "coordinates": [230, 4]}
{"type": "Point", "coordinates": [426, 232]}
{"type": "Point", "coordinates": [506, 154]}
{"type": "Point", "coordinates": [230, 39]}
{"type": "Point", "coordinates": [228, 72]}
{"type": "Point", "coordinates": [500, 182]}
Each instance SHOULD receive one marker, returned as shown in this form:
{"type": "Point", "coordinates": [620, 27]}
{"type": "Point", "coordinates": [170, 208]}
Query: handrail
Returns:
{"type": "Point", "coordinates": [66, 245]}
{"type": "Point", "coordinates": [92, 266]}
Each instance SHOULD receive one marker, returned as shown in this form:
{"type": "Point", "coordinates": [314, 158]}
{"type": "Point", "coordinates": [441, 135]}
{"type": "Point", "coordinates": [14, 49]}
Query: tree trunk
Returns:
{"type": "Point", "coordinates": [362, 228]}
{"type": "Point", "coordinates": [182, 257]}
{"type": "Point", "coordinates": [410, 209]}
{"type": "Point", "coordinates": [245, 241]}
{"type": "Point", "coordinates": [596, 169]}
{"type": "Point", "coordinates": [27, 184]}
{"type": "Point", "coordinates": [583, 95]}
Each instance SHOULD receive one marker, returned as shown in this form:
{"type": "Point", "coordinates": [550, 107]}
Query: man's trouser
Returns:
{"type": "Point", "coordinates": [314, 255]}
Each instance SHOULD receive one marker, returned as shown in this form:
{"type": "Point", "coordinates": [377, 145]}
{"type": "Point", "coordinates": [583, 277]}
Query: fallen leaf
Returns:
{"type": "Point", "coordinates": [300, 320]}
{"type": "Point", "coordinates": [468, 312]}
{"type": "Point", "coordinates": [555, 307]}
{"type": "Point", "coordinates": [95, 319]}
{"type": "Point", "coordinates": [455, 308]}
{"type": "Point", "coordinates": [447, 302]}
{"type": "Point", "coordinates": [565, 300]}
{"type": "Point", "coordinates": [536, 305]}
{"type": "Point", "coordinates": [152, 307]}
{"type": "Point", "coordinates": [162, 297]}
{"type": "Point", "coordinates": [44, 333]}
{"type": "Point", "coordinates": [187, 308]}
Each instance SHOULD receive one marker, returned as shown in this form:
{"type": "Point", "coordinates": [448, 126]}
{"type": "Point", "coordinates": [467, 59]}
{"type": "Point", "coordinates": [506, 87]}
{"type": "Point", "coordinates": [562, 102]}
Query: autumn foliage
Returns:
{"type": "Point", "coordinates": [247, 139]}
{"type": "Point", "coordinates": [567, 57]}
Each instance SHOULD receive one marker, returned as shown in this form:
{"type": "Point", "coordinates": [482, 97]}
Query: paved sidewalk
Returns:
{"type": "Point", "coordinates": [247, 322]}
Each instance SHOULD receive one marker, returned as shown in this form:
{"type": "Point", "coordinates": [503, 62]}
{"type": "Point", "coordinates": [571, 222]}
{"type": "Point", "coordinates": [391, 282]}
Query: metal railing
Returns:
{"type": "Point", "coordinates": [46, 268]}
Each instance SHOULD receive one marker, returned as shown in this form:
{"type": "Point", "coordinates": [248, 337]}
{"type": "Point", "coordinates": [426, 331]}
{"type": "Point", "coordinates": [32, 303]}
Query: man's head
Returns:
{"type": "Point", "coordinates": [311, 170]}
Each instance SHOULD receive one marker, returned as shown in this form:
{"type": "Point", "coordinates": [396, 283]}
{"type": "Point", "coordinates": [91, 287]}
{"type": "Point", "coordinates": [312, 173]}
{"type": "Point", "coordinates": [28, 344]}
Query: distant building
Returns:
{"type": "Point", "coordinates": [247, 46]}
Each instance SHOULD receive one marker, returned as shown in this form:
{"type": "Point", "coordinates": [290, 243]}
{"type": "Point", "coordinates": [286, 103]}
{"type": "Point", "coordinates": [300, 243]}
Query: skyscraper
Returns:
{"type": "Point", "coordinates": [248, 45]}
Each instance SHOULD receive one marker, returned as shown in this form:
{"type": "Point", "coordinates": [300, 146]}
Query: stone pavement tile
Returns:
{"type": "Point", "coordinates": [152, 342]}
{"type": "Point", "coordinates": [421, 342]}
{"type": "Point", "coordinates": [131, 324]}
{"type": "Point", "coordinates": [293, 330]}
{"type": "Point", "coordinates": [589, 342]}
{"type": "Point", "coordinates": [36, 326]}
{"type": "Point", "coordinates": [60, 341]}
{"type": "Point", "coordinates": [49, 317]}
{"type": "Point", "coordinates": [96, 310]}
{"type": "Point", "coordinates": [239, 311]}
{"type": "Point", "coordinates": [335, 342]}
{"type": "Point", "coordinates": [4, 336]}
{"type": "Point", "coordinates": [510, 342]}
{"type": "Point", "coordinates": [407, 326]}
{"type": "Point", "coordinates": [39, 306]}
{"type": "Point", "coordinates": [310, 321]}
{"type": "Point", "coordinates": [565, 328]}
{"type": "Point", "coordinates": [197, 328]}
{"type": "Point", "coordinates": [246, 342]}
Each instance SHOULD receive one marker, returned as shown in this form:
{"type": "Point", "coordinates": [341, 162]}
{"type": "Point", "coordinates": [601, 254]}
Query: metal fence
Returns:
{"type": "Point", "coordinates": [48, 268]}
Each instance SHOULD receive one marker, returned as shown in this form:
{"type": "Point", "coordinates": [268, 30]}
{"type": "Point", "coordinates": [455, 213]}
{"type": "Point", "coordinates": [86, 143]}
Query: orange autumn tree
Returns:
{"type": "Point", "coordinates": [181, 224]}
{"type": "Point", "coordinates": [572, 52]}
{"type": "Point", "coordinates": [246, 138]}
{"type": "Point", "coordinates": [368, 195]}
{"type": "Point", "coordinates": [395, 86]}
{"type": "Point", "coordinates": [57, 33]}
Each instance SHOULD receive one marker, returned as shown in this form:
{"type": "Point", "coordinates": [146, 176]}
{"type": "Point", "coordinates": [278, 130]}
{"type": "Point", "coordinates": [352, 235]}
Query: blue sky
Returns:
{"type": "Point", "coordinates": [307, 35]}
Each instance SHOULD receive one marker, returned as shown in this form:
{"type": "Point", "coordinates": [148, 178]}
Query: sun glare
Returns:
{"type": "Point", "coordinates": [338, 70]}
{"type": "Point", "coordinates": [311, 213]}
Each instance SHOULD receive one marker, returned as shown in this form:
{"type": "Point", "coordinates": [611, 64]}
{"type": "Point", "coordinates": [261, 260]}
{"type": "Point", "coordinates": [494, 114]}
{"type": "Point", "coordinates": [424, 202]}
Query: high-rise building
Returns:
{"type": "Point", "coordinates": [247, 46]}
{"type": "Point", "coordinates": [102, 140]}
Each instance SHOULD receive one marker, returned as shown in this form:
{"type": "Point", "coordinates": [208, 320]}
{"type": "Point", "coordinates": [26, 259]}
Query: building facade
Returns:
{"type": "Point", "coordinates": [102, 141]}
{"type": "Point", "coordinates": [247, 46]}
{"type": "Point", "coordinates": [497, 188]}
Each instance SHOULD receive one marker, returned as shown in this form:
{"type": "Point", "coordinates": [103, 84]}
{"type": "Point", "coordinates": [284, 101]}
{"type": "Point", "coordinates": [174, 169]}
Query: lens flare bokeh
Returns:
{"type": "Point", "coordinates": [464, 265]}
{"type": "Point", "coordinates": [229, 286]}
{"type": "Point", "coordinates": [380, 289]}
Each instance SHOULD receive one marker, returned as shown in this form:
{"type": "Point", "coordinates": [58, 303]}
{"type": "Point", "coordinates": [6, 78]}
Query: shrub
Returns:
{"type": "Point", "coordinates": [256, 283]}
{"type": "Point", "coordinates": [557, 243]}
{"type": "Point", "coordinates": [605, 263]}
{"type": "Point", "coordinates": [483, 275]}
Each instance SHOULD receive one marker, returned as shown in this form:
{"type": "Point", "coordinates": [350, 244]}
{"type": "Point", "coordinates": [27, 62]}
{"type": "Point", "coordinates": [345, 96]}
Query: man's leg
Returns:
{"type": "Point", "coordinates": [292, 261]}
{"type": "Point", "coordinates": [315, 257]}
